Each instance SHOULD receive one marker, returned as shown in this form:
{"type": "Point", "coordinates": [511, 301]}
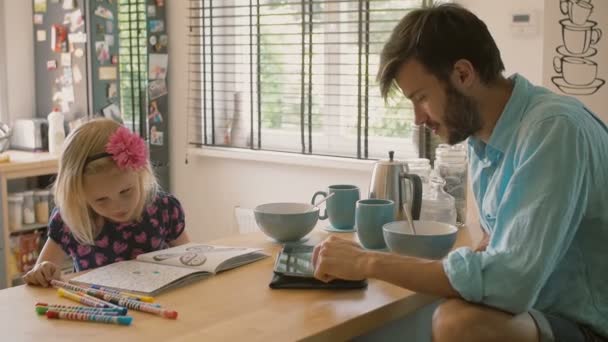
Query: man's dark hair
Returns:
{"type": "Point", "coordinates": [437, 37]}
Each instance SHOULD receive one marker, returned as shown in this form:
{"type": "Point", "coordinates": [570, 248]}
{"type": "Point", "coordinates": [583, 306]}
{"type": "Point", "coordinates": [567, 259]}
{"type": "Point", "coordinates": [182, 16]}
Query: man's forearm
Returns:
{"type": "Point", "coordinates": [419, 275]}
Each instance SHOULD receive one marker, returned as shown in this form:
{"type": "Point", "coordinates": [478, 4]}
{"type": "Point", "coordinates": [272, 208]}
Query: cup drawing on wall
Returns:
{"type": "Point", "coordinates": [579, 35]}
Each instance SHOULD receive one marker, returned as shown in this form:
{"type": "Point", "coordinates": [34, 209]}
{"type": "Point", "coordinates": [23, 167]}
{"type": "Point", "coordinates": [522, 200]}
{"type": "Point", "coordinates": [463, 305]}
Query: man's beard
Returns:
{"type": "Point", "coordinates": [462, 118]}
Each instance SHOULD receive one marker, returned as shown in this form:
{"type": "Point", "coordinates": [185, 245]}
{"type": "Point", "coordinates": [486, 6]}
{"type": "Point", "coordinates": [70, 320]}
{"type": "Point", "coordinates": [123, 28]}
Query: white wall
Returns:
{"type": "Point", "coordinates": [18, 53]}
{"type": "Point", "coordinates": [520, 53]}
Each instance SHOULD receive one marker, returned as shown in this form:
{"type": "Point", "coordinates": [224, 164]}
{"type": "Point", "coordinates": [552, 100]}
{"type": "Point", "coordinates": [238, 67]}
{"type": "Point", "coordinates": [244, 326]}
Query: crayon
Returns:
{"type": "Point", "coordinates": [146, 299]}
{"type": "Point", "coordinates": [80, 299]}
{"type": "Point", "coordinates": [121, 310]}
{"type": "Point", "coordinates": [41, 310]}
{"type": "Point", "coordinates": [139, 306]}
{"type": "Point", "coordinates": [121, 320]}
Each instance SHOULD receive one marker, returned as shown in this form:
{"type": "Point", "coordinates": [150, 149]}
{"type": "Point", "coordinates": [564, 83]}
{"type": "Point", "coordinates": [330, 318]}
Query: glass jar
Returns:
{"type": "Point", "coordinates": [438, 205]}
{"type": "Point", "coordinates": [29, 215]}
{"type": "Point", "coordinates": [41, 202]}
{"type": "Point", "coordinates": [422, 168]}
{"type": "Point", "coordinates": [451, 165]}
{"type": "Point", "coordinates": [15, 211]}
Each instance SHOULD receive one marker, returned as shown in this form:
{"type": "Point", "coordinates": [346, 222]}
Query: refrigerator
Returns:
{"type": "Point", "coordinates": [105, 58]}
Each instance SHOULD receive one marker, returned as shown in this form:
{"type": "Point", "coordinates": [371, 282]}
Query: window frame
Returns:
{"type": "Point", "coordinates": [218, 150]}
{"type": "Point", "coordinates": [4, 115]}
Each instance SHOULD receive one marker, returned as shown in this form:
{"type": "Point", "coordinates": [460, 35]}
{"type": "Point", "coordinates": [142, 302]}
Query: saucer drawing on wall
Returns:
{"type": "Point", "coordinates": [564, 52]}
{"type": "Point", "coordinates": [577, 89]}
{"type": "Point", "coordinates": [336, 230]}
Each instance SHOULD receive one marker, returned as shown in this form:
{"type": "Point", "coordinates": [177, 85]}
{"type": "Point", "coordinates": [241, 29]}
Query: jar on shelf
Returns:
{"type": "Point", "coordinates": [15, 211]}
{"type": "Point", "coordinates": [451, 165]}
{"type": "Point", "coordinates": [438, 205]}
{"type": "Point", "coordinates": [41, 202]}
{"type": "Point", "coordinates": [29, 216]}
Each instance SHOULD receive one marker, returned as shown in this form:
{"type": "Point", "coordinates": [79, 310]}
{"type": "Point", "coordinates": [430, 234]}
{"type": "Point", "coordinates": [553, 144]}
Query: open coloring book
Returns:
{"type": "Point", "coordinates": [157, 271]}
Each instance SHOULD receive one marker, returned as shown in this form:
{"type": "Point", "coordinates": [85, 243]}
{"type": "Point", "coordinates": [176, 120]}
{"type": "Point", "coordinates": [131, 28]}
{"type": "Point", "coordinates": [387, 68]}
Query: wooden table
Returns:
{"type": "Point", "coordinates": [236, 305]}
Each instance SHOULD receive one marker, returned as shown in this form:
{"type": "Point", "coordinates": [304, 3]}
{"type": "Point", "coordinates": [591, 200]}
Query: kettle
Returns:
{"type": "Point", "coordinates": [391, 180]}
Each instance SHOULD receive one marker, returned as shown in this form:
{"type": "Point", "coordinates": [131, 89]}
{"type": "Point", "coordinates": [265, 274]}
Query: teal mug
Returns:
{"type": "Point", "coordinates": [371, 215]}
{"type": "Point", "coordinates": [340, 207]}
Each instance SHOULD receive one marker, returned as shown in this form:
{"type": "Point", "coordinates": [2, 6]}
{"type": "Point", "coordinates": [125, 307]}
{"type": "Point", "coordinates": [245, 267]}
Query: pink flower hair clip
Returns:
{"type": "Point", "coordinates": [127, 149]}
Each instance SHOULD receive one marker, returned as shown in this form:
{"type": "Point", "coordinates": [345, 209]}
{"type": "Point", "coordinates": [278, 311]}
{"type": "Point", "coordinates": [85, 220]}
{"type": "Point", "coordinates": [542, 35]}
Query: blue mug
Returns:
{"type": "Point", "coordinates": [339, 208]}
{"type": "Point", "coordinates": [371, 215]}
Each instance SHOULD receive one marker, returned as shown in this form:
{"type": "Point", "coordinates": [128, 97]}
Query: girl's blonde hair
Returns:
{"type": "Point", "coordinates": [83, 142]}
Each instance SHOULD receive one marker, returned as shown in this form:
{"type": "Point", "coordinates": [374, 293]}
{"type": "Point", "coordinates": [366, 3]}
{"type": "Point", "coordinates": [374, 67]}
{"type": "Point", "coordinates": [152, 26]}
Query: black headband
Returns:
{"type": "Point", "coordinates": [96, 156]}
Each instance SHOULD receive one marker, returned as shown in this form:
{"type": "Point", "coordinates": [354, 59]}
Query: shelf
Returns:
{"type": "Point", "coordinates": [28, 228]}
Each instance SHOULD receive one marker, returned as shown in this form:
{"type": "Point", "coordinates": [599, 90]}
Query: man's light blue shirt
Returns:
{"type": "Point", "coordinates": [541, 186]}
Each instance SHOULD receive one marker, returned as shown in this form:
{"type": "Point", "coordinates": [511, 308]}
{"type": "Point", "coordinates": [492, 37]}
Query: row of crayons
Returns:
{"type": "Point", "coordinates": [102, 305]}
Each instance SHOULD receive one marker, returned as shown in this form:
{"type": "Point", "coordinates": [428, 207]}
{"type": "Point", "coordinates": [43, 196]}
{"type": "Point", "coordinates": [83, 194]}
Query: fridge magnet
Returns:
{"type": "Point", "coordinates": [158, 66]}
{"type": "Point", "coordinates": [77, 38]}
{"type": "Point", "coordinates": [39, 6]}
{"type": "Point", "coordinates": [156, 26]}
{"type": "Point", "coordinates": [78, 53]}
{"type": "Point", "coordinates": [51, 65]}
{"type": "Point", "coordinates": [102, 51]}
{"type": "Point", "coordinates": [154, 115]}
{"type": "Point", "coordinates": [109, 40]}
{"type": "Point", "coordinates": [100, 29]}
{"type": "Point", "coordinates": [68, 94]}
{"type": "Point", "coordinates": [66, 59]}
{"type": "Point", "coordinates": [151, 11]}
{"type": "Point", "coordinates": [114, 59]}
{"type": "Point", "coordinates": [68, 4]}
{"type": "Point", "coordinates": [157, 88]}
{"type": "Point", "coordinates": [41, 35]}
{"type": "Point", "coordinates": [109, 27]}
{"type": "Point", "coordinates": [163, 40]}
{"type": "Point", "coordinates": [160, 3]}
{"type": "Point", "coordinates": [152, 40]}
{"type": "Point", "coordinates": [75, 19]}
{"type": "Point", "coordinates": [156, 136]}
{"type": "Point", "coordinates": [112, 90]}
{"type": "Point", "coordinates": [77, 74]}
{"type": "Point", "coordinates": [103, 12]}
{"type": "Point", "coordinates": [107, 73]}
{"type": "Point", "coordinates": [38, 19]}
{"type": "Point", "coordinates": [112, 111]}
{"type": "Point", "coordinates": [58, 38]}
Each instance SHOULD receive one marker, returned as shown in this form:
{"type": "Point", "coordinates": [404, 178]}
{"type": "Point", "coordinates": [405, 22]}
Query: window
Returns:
{"type": "Point", "coordinates": [296, 76]}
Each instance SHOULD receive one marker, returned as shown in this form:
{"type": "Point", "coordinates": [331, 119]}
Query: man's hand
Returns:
{"type": "Point", "coordinates": [339, 258]}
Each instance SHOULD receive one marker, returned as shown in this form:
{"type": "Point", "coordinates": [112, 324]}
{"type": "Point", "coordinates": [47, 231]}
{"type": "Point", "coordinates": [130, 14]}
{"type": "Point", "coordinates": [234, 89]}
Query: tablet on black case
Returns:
{"type": "Point", "coordinates": [295, 261]}
{"type": "Point", "coordinates": [293, 269]}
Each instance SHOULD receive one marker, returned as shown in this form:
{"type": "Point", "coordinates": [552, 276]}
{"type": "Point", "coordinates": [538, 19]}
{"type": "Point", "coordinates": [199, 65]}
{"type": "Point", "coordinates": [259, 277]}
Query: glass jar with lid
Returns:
{"type": "Point", "coordinates": [15, 211]}
{"type": "Point", "coordinates": [451, 165]}
{"type": "Point", "coordinates": [438, 205]}
{"type": "Point", "coordinates": [41, 203]}
{"type": "Point", "coordinates": [29, 215]}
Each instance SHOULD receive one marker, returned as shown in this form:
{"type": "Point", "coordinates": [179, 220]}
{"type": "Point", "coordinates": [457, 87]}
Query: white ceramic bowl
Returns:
{"type": "Point", "coordinates": [286, 222]}
{"type": "Point", "coordinates": [433, 240]}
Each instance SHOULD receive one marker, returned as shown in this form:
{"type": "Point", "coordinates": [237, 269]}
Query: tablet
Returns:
{"type": "Point", "coordinates": [295, 261]}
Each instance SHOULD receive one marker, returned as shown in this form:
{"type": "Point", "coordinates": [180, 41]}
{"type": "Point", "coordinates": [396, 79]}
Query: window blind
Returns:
{"type": "Point", "coordinates": [296, 76]}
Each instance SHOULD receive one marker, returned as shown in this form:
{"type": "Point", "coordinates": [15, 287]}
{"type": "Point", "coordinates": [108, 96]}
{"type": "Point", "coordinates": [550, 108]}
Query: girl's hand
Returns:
{"type": "Point", "coordinates": [42, 274]}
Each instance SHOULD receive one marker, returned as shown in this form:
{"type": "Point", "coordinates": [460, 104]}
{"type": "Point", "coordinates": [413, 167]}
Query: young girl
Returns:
{"type": "Point", "coordinates": [108, 206]}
